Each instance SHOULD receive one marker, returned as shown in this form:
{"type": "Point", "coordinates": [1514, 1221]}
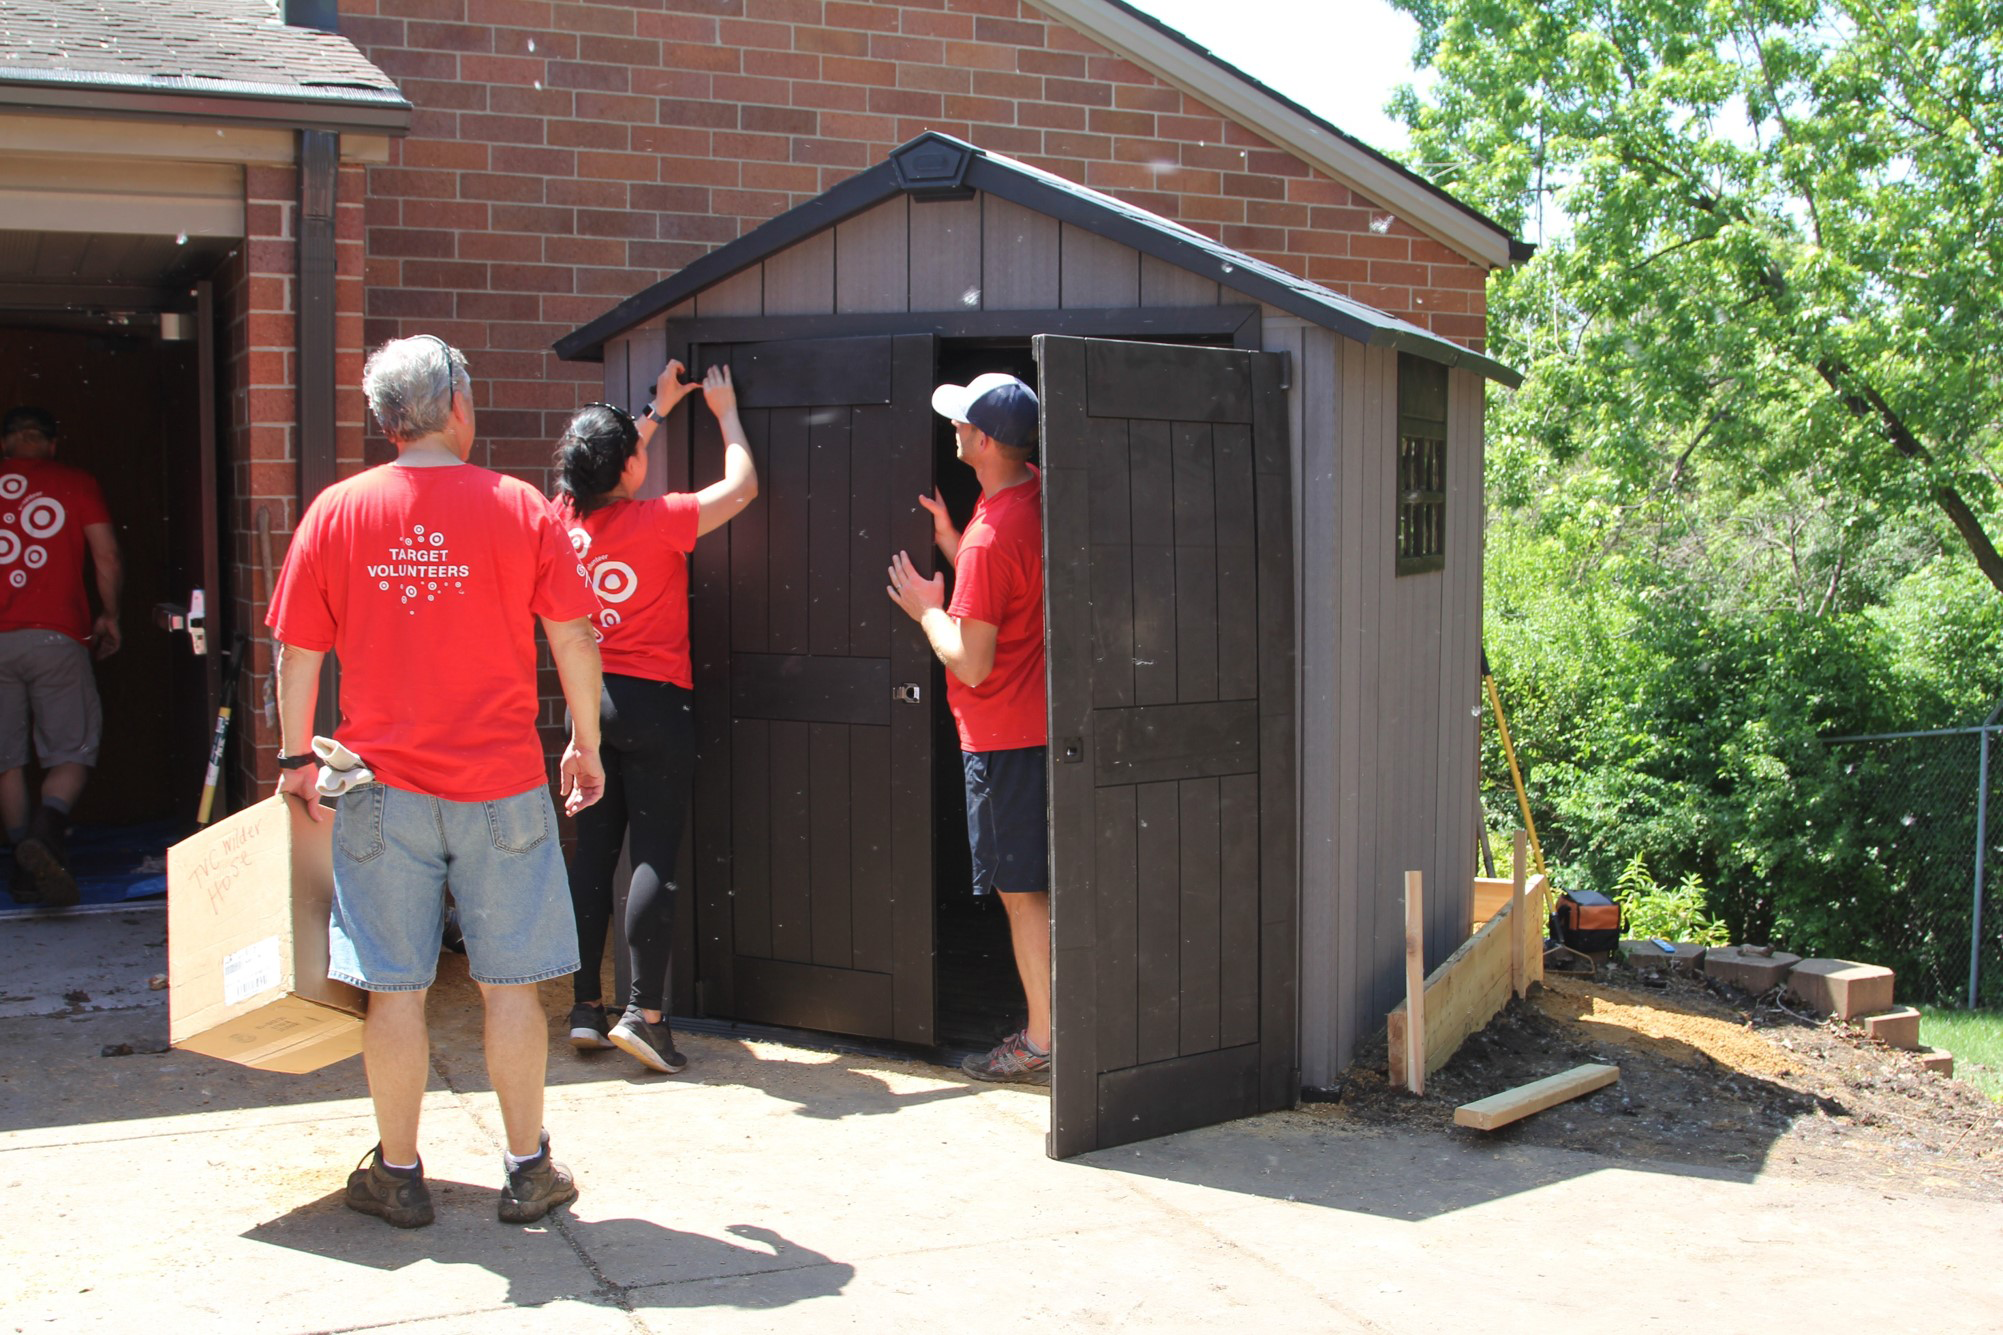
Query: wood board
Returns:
{"type": "Point", "coordinates": [1513, 1105]}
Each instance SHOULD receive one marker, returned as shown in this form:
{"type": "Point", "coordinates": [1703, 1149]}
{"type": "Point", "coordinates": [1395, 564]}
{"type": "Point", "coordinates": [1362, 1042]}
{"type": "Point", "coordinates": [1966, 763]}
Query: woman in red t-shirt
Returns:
{"type": "Point", "coordinates": [636, 553]}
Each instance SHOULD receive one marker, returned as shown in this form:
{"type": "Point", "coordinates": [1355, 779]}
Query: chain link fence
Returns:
{"type": "Point", "coordinates": [1929, 808]}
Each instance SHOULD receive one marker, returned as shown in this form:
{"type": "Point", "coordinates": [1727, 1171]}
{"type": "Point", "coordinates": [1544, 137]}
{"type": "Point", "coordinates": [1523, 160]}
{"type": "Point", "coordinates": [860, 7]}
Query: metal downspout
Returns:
{"type": "Point", "coordinates": [319, 161]}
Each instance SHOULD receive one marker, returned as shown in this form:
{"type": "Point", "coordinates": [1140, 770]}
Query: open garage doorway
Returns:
{"type": "Point", "coordinates": [111, 338]}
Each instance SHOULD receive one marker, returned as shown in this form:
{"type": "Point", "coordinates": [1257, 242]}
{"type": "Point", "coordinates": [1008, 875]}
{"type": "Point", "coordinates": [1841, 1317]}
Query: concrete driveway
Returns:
{"type": "Point", "coordinates": [772, 1187]}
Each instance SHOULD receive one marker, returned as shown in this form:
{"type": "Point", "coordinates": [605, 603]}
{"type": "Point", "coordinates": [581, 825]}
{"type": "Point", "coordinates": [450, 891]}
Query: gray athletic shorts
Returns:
{"type": "Point", "coordinates": [46, 675]}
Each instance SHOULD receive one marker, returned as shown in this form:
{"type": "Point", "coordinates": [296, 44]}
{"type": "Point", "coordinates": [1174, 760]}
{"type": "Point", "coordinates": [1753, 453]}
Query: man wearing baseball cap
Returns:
{"type": "Point", "coordinates": [990, 637]}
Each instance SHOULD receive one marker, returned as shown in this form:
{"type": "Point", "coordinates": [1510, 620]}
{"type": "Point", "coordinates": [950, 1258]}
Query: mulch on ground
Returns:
{"type": "Point", "coordinates": [1709, 1076]}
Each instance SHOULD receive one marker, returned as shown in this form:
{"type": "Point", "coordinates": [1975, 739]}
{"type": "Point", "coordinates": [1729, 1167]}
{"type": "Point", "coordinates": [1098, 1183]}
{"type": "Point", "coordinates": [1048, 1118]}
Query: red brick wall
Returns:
{"type": "Point", "coordinates": [256, 304]}
{"type": "Point", "coordinates": [565, 155]}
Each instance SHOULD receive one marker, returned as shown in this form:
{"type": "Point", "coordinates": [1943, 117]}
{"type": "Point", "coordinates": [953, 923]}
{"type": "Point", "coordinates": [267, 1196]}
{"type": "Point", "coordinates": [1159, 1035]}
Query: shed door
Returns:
{"type": "Point", "coordinates": [1169, 606]}
{"type": "Point", "coordinates": [813, 800]}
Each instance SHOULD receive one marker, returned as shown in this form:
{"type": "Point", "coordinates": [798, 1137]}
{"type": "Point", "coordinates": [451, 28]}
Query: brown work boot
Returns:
{"type": "Point", "coordinates": [535, 1188]}
{"type": "Point", "coordinates": [42, 854]}
{"type": "Point", "coordinates": [402, 1200]}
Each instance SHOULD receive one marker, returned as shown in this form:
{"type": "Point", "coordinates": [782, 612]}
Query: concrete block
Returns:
{"type": "Point", "coordinates": [1938, 1060]}
{"type": "Point", "coordinates": [1647, 957]}
{"type": "Point", "coordinates": [1842, 988]}
{"type": "Point", "coordinates": [1749, 972]}
{"type": "Point", "coordinates": [1899, 1027]}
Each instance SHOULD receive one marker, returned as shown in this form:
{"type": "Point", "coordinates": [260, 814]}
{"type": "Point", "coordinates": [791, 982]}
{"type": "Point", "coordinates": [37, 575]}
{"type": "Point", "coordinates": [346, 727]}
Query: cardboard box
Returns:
{"type": "Point", "coordinates": [247, 903]}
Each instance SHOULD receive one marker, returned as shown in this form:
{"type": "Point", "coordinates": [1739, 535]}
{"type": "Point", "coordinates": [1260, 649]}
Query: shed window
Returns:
{"type": "Point", "coordinates": [1422, 465]}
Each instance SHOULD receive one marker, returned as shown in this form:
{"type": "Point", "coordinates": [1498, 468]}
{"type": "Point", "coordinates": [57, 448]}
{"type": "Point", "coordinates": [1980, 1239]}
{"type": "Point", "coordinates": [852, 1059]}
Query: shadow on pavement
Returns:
{"type": "Point", "coordinates": [1410, 1173]}
{"type": "Point", "coordinates": [686, 1270]}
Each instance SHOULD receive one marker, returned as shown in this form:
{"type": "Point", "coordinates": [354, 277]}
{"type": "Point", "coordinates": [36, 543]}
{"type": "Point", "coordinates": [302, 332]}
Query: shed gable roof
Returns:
{"type": "Point", "coordinates": [236, 58]}
{"type": "Point", "coordinates": [940, 166]}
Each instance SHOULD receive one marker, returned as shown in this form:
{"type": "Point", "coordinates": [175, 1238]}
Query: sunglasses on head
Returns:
{"type": "Point", "coordinates": [614, 409]}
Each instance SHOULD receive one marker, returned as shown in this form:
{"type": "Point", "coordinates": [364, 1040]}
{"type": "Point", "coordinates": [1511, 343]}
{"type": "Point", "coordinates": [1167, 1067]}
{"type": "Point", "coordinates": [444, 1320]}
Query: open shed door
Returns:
{"type": "Point", "coordinates": [813, 796]}
{"type": "Point", "coordinates": [1169, 609]}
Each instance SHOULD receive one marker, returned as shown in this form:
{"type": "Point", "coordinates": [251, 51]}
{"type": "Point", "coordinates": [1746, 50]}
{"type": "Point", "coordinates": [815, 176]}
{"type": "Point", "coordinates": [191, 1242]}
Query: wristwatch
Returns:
{"type": "Point", "coordinates": [298, 762]}
{"type": "Point", "coordinates": [649, 413]}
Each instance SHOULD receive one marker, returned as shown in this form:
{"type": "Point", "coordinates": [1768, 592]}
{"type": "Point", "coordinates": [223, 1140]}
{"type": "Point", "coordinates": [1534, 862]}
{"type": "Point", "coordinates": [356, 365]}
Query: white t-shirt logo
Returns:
{"type": "Point", "coordinates": [38, 516]}
{"type": "Point", "coordinates": [419, 568]}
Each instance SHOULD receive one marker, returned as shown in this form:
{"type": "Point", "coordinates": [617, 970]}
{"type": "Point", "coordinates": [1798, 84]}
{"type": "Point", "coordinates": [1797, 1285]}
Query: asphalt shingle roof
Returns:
{"type": "Point", "coordinates": [211, 46]}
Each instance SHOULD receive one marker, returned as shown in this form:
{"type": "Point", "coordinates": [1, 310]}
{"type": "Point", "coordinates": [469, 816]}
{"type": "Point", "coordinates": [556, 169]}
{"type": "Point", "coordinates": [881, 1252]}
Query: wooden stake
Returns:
{"type": "Point", "coordinates": [1519, 977]}
{"type": "Point", "coordinates": [1415, 984]}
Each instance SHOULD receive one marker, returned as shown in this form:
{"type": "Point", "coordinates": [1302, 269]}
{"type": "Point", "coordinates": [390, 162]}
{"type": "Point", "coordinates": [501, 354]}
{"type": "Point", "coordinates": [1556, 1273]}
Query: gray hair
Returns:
{"type": "Point", "coordinates": [406, 381]}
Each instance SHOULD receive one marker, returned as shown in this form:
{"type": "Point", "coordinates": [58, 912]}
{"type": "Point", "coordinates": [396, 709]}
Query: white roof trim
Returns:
{"type": "Point", "coordinates": [1177, 65]}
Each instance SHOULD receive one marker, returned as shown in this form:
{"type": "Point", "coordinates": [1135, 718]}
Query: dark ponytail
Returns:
{"type": "Point", "coordinates": [591, 455]}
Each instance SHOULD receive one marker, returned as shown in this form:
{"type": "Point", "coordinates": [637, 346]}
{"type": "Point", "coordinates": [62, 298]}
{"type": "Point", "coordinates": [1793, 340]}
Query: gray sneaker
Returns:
{"type": "Point", "coordinates": [374, 1189]}
{"type": "Point", "coordinates": [649, 1043]}
{"type": "Point", "coordinates": [1011, 1061]}
{"type": "Point", "coordinates": [536, 1188]}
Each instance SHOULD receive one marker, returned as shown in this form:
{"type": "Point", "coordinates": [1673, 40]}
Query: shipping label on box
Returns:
{"type": "Point", "coordinates": [247, 903]}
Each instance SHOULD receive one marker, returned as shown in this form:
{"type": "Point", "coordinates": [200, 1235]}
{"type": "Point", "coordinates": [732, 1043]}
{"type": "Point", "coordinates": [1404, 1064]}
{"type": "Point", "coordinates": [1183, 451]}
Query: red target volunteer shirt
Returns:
{"type": "Point", "coordinates": [998, 578]}
{"type": "Point", "coordinates": [427, 583]}
{"type": "Point", "coordinates": [44, 508]}
{"type": "Point", "coordinates": [635, 554]}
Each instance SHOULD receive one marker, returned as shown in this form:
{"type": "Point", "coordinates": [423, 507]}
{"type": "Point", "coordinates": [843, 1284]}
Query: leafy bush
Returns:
{"type": "Point", "coordinates": [1674, 913]}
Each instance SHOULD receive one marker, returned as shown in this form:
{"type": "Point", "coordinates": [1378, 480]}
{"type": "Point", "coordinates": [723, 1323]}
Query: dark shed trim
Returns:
{"type": "Point", "coordinates": [1053, 196]}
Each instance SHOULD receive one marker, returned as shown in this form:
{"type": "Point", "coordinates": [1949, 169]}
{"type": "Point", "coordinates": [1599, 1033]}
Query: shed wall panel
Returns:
{"type": "Point", "coordinates": [800, 280]}
{"type": "Point", "coordinates": [1317, 400]}
{"type": "Point", "coordinates": [1096, 272]}
{"type": "Point", "coordinates": [1355, 920]}
{"type": "Point", "coordinates": [1165, 284]}
{"type": "Point", "coordinates": [739, 294]}
{"type": "Point", "coordinates": [873, 259]}
{"type": "Point", "coordinates": [1020, 257]}
{"type": "Point", "coordinates": [946, 255]}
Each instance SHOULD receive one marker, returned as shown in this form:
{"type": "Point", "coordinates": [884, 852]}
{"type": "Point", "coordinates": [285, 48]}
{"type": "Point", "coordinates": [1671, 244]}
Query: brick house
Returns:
{"type": "Point", "coordinates": [220, 211]}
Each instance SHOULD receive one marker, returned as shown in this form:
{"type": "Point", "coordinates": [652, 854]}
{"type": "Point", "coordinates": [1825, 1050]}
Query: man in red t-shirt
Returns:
{"type": "Point", "coordinates": [426, 576]}
{"type": "Point", "coordinates": [991, 640]}
{"type": "Point", "coordinates": [51, 515]}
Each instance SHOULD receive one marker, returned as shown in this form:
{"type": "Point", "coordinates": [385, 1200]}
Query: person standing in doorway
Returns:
{"type": "Point", "coordinates": [50, 515]}
{"type": "Point", "coordinates": [990, 637]}
{"type": "Point", "coordinates": [636, 553]}
{"type": "Point", "coordinates": [427, 577]}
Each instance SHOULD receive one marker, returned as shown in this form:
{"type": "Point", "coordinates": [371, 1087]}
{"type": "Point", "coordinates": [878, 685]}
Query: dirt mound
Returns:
{"type": "Point", "coordinates": [1707, 1077]}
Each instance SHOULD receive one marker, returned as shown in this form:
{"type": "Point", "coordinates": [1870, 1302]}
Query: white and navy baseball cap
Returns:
{"type": "Point", "coordinates": [998, 404]}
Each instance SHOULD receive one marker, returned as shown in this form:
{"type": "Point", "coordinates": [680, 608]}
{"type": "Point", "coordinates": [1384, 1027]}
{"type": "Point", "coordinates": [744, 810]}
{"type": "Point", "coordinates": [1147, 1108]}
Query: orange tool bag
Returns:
{"type": "Point", "coordinates": [1587, 922]}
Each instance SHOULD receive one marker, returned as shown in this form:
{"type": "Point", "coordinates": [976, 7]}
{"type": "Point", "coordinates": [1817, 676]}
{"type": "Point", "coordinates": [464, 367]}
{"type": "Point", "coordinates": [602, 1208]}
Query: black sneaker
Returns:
{"type": "Point", "coordinates": [536, 1188]}
{"type": "Point", "coordinates": [40, 854]}
{"type": "Point", "coordinates": [1011, 1061]}
{"type": "Point", "coordinates": [651, 1044]}
{"type": "Point", "coordinates": [374, 1189]}
{"type": "Point", "coordinates": [587, 1028]}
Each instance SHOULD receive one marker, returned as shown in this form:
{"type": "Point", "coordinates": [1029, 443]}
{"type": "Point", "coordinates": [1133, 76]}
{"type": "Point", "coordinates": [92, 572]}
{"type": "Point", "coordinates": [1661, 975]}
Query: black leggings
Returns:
{"type": "Point", "coordinates": [648, 747]}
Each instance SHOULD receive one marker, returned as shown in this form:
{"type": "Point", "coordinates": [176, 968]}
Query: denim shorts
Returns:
{"type": "Point", "coordinates": [395, 851]}
{"type": "Point", "coordinates": [1008, 820]}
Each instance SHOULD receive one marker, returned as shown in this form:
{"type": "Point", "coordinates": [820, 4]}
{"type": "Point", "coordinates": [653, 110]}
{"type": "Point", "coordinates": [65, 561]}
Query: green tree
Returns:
{"type": "Point", "coordinates": [1772, 242]}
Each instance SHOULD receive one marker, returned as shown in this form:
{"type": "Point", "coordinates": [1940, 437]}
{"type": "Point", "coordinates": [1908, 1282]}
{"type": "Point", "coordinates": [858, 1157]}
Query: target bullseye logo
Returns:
{"type": "Point", "coordinates": [35, 558]}
{"type": "Point", "coordinates": [42, 517]}
{"type": "Point", "coordinates": [13, 487]}
{"type": "Point", "coordinates": [615, 581]}
{"type": "Point", "coordinates": [10, 547]}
